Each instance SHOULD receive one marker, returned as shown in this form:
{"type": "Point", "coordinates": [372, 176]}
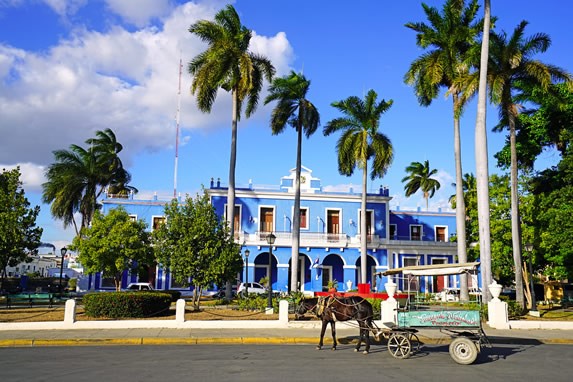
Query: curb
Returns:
{"type": "Point", "coordinates": [242, 341]}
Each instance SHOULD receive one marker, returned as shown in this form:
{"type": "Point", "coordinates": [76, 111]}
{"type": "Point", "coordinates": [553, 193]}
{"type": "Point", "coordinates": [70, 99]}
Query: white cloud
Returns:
{"type": "Point", "coordinates": [139, 12]}
{"type": "Point", "coordinates": [65, 7]}
{"type": "Point", "coordinates": [31, 175]}
{"type": "Point", "coordinates": [118, 79]}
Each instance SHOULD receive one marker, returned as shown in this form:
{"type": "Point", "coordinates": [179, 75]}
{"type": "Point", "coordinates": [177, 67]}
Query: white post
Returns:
{"type": "Point", "coordinates": [498, 317]}
{"type": "Point", "coordinates": [389, 309]}
{"type": "Point", "coordinates": [283, 312]}
{"type": "Point", "coordinates": [70, 312]}
{"type": "Point", "coordinates": [180, 310]}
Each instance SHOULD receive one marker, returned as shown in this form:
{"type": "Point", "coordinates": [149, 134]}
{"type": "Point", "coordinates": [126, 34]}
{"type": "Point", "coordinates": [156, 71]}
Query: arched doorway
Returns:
{"type": "Point", "coordinates": [303, 272]}
{"type": "Point", "coordinates": [370, 273]}
{"type": "Point", "coordinates": [332, 269]}
{"type": "Point", "coordinates": [262, 268]}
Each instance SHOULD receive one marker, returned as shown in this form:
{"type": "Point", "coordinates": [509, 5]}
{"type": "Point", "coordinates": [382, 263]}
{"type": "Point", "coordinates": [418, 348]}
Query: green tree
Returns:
{"type": "Point", "coordinates": [195, 246]}
{"type": "Point", "coordinates": [448, 38]}
{"type": "Point", "coordinates": [360, 142]}
{"type": "Point", "coordinates": [420, 178]}
{"type": "Point", "coordinates": [228, 64]}
{"type": "Point", "coordinates": [114, 243]}
{"type": "Point", "coordinates": [294, 109]}
{"type": "Point", "coordinates": [79, 176]}
{"type": "Point", "coordinates": [18, 232]}
{"type": "Point", "coordinates": [511, 69]}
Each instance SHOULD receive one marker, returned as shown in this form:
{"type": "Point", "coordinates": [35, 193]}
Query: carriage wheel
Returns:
{"type": "Point", "coordinates": [463, 350]}
{"type": "Point", "coordinates": [415, 342]}
{"type": "Point", "coordinates": [399, 345]}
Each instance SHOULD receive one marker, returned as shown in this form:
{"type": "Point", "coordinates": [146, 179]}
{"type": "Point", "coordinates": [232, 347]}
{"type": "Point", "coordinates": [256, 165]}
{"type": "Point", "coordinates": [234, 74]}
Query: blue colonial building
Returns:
{"type": "Point", "coordinates": [329, 235]}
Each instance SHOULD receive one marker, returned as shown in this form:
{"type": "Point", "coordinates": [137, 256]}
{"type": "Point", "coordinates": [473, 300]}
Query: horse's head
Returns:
{"type": "Point", "coordinates": [303, 307]}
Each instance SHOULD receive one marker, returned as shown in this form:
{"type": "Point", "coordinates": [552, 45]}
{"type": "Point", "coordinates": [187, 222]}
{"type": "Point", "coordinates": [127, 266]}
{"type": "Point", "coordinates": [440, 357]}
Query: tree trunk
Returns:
{"type": "Point", "coordinates": [515, 220]}
{"type": "Point", "coordinates": [482, 174]}
{"type": "Point", "coordinates": [296, 214]}
{"type": "Point", "coordinates": [231, 187]}
{"type": "Point", "coordinates": [460, 203]}
{"type": "Point", "coordinates": [363, 233]}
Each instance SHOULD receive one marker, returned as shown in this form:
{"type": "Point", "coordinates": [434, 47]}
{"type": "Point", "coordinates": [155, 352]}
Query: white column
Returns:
{"type": "Point", "coordinates": [180, 310]}
{"type": "Point", "coordinates": [70, 312]}
{"type": "Point", "coordinates": [283, 312]}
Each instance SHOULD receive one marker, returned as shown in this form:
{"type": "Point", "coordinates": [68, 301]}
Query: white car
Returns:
{"type": "Point", "coordinates": [448, 295]}
{"type": "Point", "coordinates": [254, 288]}
{"type": "Point", "coordinates": [139, 286]}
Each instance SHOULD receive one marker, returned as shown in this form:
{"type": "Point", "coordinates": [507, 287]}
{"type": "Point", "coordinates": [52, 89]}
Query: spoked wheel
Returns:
{"type": "Point", "coordinates": [463, 350]}
{"type": "Point", "coordinates": [415, 343]}
{"type": "Point", "coordinates": [399, 345]}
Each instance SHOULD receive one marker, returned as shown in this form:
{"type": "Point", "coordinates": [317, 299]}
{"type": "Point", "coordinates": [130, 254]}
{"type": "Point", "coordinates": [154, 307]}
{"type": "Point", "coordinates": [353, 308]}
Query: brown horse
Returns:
{"type": "Point", "coordinates": [331, 309]}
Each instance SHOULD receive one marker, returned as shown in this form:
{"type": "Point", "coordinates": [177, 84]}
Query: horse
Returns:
{"type": "Point", "coordinates": [331, 309]}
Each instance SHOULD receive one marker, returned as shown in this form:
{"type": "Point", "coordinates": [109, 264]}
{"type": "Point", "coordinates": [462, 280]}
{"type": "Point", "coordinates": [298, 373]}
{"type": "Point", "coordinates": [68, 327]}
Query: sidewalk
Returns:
{"type": "Point", "coordinates": [297, 335]}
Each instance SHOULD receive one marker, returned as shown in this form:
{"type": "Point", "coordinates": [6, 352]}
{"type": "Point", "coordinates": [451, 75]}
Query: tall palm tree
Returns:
{"type": "Point", "coordinates": [420, 178]}
{"type": "Point", "coordinates": [228, 64]}
{"type": "Point", "coordinates": [79, 176]}
{"type": "Point", "coordinates": [294, 109]}
{"type": "Point", "coordinates": [512, 69]}
{"type": "Point", "coordinates": [482, 174]}
{"type": "Point", "coordinates": [449, 36]}
{"type": "Point", "coordinates": [361, 141]}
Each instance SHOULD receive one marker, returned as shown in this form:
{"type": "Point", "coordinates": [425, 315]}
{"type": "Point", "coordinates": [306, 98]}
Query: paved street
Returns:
{"type": "Point", "coordinates": [250, 363]}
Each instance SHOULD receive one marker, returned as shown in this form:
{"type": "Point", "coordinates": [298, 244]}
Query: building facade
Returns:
{"type": "Point", "coordinates": [329, 235]}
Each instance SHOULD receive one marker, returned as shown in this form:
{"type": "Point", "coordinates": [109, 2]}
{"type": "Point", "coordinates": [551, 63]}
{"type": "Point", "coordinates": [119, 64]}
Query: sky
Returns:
{"type": "Point", "coordinates": [69, 68]}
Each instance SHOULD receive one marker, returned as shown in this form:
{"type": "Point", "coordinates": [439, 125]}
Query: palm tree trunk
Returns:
{"type": "Point", "coordinates": [296, 214]}
{"type": "Point", "coordinates": [231, 188]}
{"type": "Point", "coordinates": [515, 220]}
{"type": "Point", "coordinates": [363, 233]}
{"type": "Point", "coordinates": [482, 174]}
{"type": "Point", "coordinates": [232, 164]}
{"type": "Point", "coordinates": [460, 203]}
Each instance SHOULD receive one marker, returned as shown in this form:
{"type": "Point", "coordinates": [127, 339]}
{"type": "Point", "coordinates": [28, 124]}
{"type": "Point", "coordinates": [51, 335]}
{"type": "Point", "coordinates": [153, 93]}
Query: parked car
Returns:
{"type": "Point", "coordinates": [448, 295]}
{"type": "Point", "coordinates": [139, 286]}
{"type": "Point", "coordinates": [254, 288]}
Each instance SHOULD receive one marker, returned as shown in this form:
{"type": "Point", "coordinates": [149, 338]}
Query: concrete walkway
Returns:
{"type": "Point", "coordinates": [300, 334]}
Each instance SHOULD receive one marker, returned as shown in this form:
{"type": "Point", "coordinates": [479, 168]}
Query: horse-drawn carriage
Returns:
{"type": "Point", "coordinates": [462, 321]}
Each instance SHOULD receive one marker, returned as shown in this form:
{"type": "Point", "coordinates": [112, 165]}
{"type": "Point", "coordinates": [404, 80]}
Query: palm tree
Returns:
{"type": "Point", "coordinates": [420, 178]}
{"type": "Point", "coordinates": [450, 36]}
{"type": "Point", "coordinates": [79, 176]}
{"type": "Point", "coordinates": [361, 141]}
{"type": "Point", "coordinates": [482, 174]}
{"type": "Point", "coordinates": [294, 109]}
{"type": "Point", "coordinates": [228, 64]}
{"type": "Point", "coordinates": [512, 69]}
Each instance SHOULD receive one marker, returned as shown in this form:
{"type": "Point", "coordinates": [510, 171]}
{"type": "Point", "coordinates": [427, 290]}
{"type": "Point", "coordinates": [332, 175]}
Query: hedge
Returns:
{"type": "Point", "coordinates": [126, 304]}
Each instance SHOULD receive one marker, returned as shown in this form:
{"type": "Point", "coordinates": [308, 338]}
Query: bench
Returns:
{"type": "Point", "coordinates": [29, 299]}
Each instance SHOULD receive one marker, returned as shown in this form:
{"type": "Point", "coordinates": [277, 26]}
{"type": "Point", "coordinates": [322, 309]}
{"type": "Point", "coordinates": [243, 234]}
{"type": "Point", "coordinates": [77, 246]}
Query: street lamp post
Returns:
{"type": "Point", "coordinates": [63, 252]}
{"type": "Point", "coordinates": [271, 240]}
{"type": "Point", "coordinates": [533, 311]}
{"type": "Point", "coordinates": [247, 253]}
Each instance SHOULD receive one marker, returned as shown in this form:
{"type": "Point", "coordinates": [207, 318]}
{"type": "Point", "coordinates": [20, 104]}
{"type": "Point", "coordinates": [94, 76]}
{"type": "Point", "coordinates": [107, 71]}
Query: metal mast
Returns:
{"type": "Point", "coordinates": [177, 115]}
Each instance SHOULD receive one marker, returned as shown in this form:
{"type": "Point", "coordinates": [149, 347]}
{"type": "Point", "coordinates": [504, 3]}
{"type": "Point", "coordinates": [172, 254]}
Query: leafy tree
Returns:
{"type": "Point", "coordinates": [18, 232]}
{"type": "Point", "coordinates": [294, 109]}
{"type": "Point", "coordinates": [360, 142]}
{"type": "Point", "coordinates": [196, 246]}
{"type": "Point", "coordinates": [512, 69]}
{"type": "Point", "coordinates": [420, 178]}
{"type": "Point", "coordinates": [228, 64]}
{"type": "Point", "coordinates": [114, 243]}
{"type": "Point", "coordinates": [79, 176]}
{"type": "Point", "coordinates": [447, 38]}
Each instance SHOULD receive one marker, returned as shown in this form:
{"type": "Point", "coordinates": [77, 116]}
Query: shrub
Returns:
{"type": "Point", "coordinates": [376, 307]}
{"type": "Point", "coordinates": [126, 304]}
{"type": "Point", "coordinates": [175, 294]}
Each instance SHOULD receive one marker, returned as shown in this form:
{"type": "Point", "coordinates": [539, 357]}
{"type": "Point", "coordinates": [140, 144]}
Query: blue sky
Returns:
{"type": "Point", "coordinates": [71, 67]}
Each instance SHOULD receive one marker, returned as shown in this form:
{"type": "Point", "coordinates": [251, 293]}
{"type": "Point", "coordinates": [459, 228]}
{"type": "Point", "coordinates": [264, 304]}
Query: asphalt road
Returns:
{"type": "Point", "coordinates": [275, 363]}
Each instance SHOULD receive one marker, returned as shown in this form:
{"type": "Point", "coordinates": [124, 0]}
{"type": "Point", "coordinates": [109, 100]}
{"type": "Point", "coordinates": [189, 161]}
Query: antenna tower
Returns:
{"type": "Point", "coordinates": [177, 116]}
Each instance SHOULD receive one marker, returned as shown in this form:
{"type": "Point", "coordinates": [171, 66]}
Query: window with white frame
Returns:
{"type": "Point", "coordinates": [415, 232]}
{"type": "Point", "coordinates": [369, 221]}
{"type": "Point", "coordinates": [304, 218]}
{"type": "Point", "coordinates": [441, 233]}
{"type": "Point", "coordinates": [236, 218]}
{"type": "Point", "coordinates": [156, 222]}
{"type": "Point", "coordinates": [267, 219]}
{"type": "Point", "coordinates": [133, 217]}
